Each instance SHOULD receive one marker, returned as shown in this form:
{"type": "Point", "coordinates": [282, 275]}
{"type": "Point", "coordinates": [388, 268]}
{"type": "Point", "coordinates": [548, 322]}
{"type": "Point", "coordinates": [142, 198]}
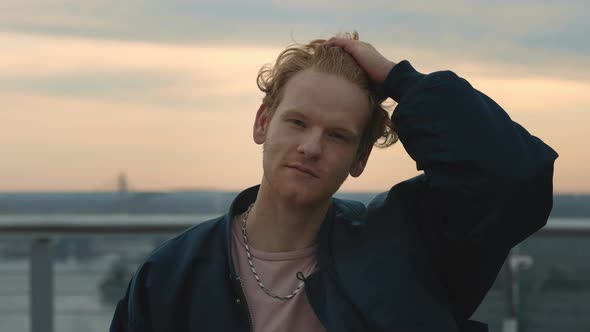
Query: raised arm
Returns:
{"type": "Point", "coordinates": [487, 182]}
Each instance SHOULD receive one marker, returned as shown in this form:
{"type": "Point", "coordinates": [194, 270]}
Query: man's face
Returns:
{"type": "Point", "coordinates": [311, 141]}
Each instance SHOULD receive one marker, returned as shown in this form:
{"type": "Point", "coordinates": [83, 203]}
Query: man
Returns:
{"type": "Point", "coordinates": [289, 257]}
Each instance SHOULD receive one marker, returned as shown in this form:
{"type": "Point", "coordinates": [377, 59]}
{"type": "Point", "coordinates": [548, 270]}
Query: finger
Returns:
{"type": "Point", "coordinates": [337, 42]}
{"type": "Point", "coordinates": [350, 46]}
{"type": "Point", "coordinates": [329, 42]}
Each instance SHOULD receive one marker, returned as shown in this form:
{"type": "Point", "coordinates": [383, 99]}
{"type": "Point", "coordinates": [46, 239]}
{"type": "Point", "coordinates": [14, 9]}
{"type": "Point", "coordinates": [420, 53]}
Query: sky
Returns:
{"type": "Point", "coordinates": [165, 91]}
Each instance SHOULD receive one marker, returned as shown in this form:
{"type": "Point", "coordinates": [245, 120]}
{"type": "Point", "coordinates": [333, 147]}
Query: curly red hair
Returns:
{"type": "Point", "coordinates": [271, 80]}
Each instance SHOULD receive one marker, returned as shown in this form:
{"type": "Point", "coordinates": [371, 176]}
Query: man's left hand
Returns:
{"type": "Point", "coordinates": [375, 64]}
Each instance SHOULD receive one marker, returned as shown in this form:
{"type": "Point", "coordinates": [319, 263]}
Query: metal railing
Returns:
{"type": "Point", "coordinates": [43, 229]}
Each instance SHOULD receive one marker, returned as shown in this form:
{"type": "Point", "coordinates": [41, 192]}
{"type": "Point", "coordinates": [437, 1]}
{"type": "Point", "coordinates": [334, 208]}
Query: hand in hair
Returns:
{"type": "Point", "coordinates": [375, 64]}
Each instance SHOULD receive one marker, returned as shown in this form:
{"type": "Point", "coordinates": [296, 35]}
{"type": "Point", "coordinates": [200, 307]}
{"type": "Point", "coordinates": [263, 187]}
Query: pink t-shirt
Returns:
{"type": "Point", "coordinates": [278, 273]}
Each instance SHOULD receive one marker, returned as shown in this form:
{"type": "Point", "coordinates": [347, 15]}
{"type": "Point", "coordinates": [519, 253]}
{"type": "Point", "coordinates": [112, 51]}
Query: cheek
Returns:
{"type": "Point", "coordinates": [342, 157]}
{"type": "Point", "coordinates": [279, 141]}
{"type": "Point", "coordinates": [339, 168]}
{"type": "Point", "coordinates": [272, 154]}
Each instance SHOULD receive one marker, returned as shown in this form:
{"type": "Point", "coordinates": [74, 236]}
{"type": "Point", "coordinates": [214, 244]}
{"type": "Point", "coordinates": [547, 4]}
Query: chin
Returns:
{"type": "Point", "coordinates": [299, 190]}
{"type": "Point", "coordinates": [304, 194]}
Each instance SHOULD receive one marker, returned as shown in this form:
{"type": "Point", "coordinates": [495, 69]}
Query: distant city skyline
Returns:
{"type": "Point", "coordinates": [165, 91]}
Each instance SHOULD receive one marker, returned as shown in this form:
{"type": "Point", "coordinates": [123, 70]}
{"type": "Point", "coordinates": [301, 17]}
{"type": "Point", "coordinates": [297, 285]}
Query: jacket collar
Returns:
{"type": "Point", "coordinates": [343, 211]}
{"type": "Point", "coordinates": [239, 205]}
{"type": "Point", "coordinates": [350, 212]}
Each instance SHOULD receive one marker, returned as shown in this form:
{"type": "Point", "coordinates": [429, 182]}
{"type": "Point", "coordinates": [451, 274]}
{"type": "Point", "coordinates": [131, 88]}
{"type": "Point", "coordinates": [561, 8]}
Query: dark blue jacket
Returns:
{"type": "Point", "coordinates": [419, 257]}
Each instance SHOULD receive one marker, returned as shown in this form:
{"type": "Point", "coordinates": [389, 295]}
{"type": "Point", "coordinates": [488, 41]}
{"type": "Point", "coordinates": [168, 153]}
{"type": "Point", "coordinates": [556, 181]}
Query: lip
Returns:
{"type": "Point", "coordinates": [303, 169]}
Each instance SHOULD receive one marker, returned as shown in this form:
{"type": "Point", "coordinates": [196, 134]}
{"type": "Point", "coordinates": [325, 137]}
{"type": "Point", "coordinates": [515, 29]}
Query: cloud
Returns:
{"type": "Point", "coordinates": [536, 95]}
{"type": "Point", "coordinates": [171, 91]}
{"type": "Point", "coordinates": [174, 76]}
{"type": "Point", "coordinates": [511, 31]}
{"type": "Point", "coordinates": [87, 87]}
{"type": "Point", "coordinates": [40, 54]}
{"type": "Point", "coordinates": [197, 77]}
{"type": "Point", "coordinates": [96, 84]}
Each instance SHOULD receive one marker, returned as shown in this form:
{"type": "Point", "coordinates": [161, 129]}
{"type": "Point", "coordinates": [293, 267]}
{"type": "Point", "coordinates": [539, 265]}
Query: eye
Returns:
{"type": "Point", "coordinates": [337, 136]}
{"type": "Point", "coordinates": [297, 122]}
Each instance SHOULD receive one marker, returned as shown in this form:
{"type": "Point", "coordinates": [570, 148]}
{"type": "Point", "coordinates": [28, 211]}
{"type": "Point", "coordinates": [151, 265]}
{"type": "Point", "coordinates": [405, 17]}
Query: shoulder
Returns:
{"type": "Point", "coordinates": [162, 278]}
{"type": "Point", "coordinates": [403, 195]}
{"type": "Point", "coordinates": [405, 192]}
{"type": "Point", "coordinates": [176, 256]}
{"type": "Point", "coordinates": [191, 238]}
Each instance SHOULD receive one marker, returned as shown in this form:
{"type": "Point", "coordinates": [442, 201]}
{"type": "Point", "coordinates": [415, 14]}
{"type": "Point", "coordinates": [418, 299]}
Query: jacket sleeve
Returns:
{"type": "Point", "coordinates": [131, 311]}
{"type": "Point", "coordinates": [487, 182]}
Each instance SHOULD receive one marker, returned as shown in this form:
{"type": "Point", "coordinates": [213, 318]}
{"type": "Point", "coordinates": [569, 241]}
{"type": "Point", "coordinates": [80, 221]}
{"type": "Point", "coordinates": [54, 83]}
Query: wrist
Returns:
{"type": "Point", "coordinates": [400, 79]}
{"type": "Point", "coordinates": [386, 68]}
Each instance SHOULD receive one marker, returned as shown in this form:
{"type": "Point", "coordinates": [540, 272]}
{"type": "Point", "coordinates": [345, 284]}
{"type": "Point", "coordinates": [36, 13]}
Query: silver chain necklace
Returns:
{"type": "Point", "coordinates": [251, 263]}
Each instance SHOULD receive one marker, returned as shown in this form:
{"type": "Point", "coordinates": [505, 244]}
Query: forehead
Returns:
{"type": "Point", "coordinates": [326, 97]}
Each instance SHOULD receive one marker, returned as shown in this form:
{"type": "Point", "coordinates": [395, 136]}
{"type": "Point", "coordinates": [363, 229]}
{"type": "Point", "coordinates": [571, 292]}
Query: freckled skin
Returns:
{"type": "Point", "coordinates": [312, 139]}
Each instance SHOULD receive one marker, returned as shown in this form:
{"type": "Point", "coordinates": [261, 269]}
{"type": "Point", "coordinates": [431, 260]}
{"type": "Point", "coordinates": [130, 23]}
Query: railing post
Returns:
{"type": "Point", "coordinates": [514, 263]}
{"type": "Point", "coordinates": [510, 323]}
{"type": "Point", "coordinates": [42, 286]}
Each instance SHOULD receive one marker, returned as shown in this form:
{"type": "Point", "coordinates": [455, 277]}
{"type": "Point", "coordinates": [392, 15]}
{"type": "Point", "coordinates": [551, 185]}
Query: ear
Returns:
{"type": "Point", "coordinates": [358, 166]}
{"type": "Point", "coordinates": [261, 124]}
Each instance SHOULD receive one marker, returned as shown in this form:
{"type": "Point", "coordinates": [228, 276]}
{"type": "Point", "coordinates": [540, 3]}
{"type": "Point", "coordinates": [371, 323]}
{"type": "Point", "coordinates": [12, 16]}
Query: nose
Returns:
{"type": "Point", "coordinates": [311, 145]}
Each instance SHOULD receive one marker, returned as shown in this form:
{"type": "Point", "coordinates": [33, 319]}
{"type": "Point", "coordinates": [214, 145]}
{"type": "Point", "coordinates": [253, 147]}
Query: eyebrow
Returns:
{"type": "Point", "coordinates": [291, 112]}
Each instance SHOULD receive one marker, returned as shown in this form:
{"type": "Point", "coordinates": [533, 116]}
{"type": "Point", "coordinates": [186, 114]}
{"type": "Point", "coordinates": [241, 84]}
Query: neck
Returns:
{"type": "Point", "coordinates": [279, 225]}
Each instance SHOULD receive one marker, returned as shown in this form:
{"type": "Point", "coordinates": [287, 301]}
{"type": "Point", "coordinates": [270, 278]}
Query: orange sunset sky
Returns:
{"type": "Point", "coordinates": [165, 91]}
